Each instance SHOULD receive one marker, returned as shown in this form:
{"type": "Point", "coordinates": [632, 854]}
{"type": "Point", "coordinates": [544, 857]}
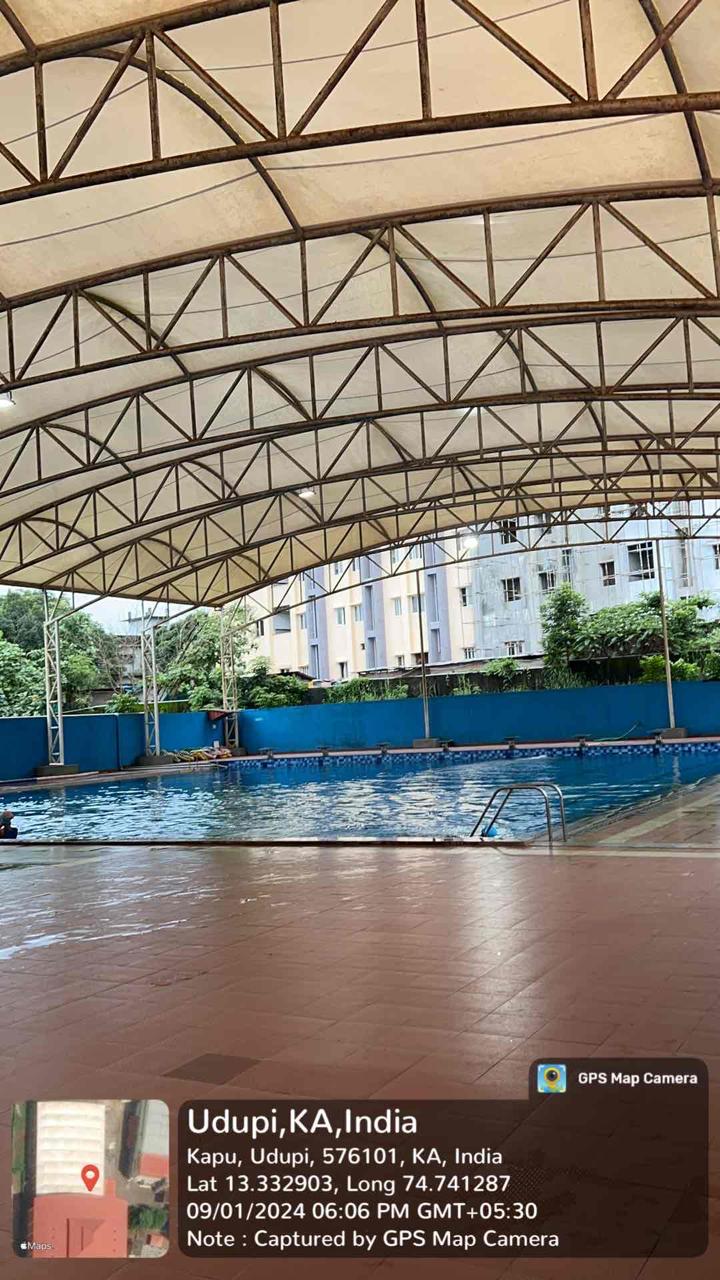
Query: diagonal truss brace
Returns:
{"type": "Point", "coordinates": [151, 705]}
{"type": "Point", "coordinates": [228, 671]}
{"type": "Point", "coordinates": [53, 684]}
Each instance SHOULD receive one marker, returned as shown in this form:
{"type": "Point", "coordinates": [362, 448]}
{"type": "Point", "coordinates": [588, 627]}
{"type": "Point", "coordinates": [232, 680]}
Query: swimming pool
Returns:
{"type": "Point", "coordinates": [349, 796]}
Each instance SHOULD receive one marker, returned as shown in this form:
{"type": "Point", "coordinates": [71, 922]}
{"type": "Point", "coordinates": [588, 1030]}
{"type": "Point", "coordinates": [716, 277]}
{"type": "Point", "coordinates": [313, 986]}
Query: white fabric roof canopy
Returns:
{"type": "Point", "coordinates": [283, 282]}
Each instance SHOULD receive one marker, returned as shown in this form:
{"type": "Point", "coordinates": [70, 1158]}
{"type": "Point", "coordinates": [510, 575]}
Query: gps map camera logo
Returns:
{"type": "Point", "coordinates": [551, 1077]}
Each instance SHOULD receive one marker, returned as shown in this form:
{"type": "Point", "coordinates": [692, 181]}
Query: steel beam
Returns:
{"type": "Point", "coordinates": [151, 706]}
{"type": "Point", "coordinates": [474, 121]}
{"type": "Point", "coordinates": [53, 685]}
{"type": "Point", "coordinates": [228, 672]}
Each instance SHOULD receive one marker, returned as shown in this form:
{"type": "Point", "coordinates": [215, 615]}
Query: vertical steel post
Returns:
{"type": "Point", "coordinates": [423, 668]}
{"type": "Point", "coordinates": [666, 640]}
{"type": "Point", "coordinates": [228, 673]}
{"type": "Point", "coordinates": [53, 686]}
{"type": "Point", "coordinates": [151, 707]}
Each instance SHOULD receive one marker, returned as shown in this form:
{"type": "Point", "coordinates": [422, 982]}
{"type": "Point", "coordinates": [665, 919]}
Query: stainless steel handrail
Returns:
{"type": "Point", "coordinates": [509, 789]}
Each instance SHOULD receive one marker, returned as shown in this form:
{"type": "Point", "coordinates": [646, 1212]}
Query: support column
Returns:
{"type": "Point", "coordinates": [427, 741]}
{"type": "Point", "coordinates": [149, 684]}
{"type": "Point", "coordinates": [53, 696]}
{"type": "Point", "coordinates": [672, 731]}
{"type": "Point", "coordinates": [228, 672]}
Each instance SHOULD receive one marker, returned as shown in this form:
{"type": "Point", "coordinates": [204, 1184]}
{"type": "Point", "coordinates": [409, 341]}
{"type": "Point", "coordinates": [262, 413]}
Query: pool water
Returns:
{"type": "Point", "coordinates": [364, 796]}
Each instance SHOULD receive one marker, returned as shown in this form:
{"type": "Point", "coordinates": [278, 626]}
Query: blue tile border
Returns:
{"type": "Point", "coordinates": [465, 755]}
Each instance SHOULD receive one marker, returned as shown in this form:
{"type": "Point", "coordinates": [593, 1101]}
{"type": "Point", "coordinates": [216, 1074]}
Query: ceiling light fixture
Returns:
{"type": "Point", "coordinates": [6, 400]}
{"type": "Point", "coordinates": [307, 492]}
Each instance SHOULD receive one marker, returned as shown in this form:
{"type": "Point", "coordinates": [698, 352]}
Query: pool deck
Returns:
{"type": "Point", "coordinates": [686, 822]}
{"type": "Point", "coordinates": [350, 972]}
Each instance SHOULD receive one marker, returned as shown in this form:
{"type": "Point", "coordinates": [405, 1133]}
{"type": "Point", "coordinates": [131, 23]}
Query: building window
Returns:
{"type": "Point", "coordinates": [548, 581]}
{"type": "Point", "coordinates": [716, 553]}
{"type": "Point", "coordinates": [514, 648]}
{"type": "Point", "coordinates": [545, 519]}
{"type": "Point", "coordinates": [281, 621]}
{"type": "Point", "coordinates": [357, 613]}
{"type": "Point", "coordinates": [436, 645]}
{"type": "Point", "coordinates": [302, 620]}
{"type": "Point", "coordinates": [397, 606]}
{"type": "Point", "coordinates": [399, 659]}
{"type": "Point", "coordinates": [340, 617]}
{"type": "Point", "coordinates": [371, 657]}
{"type": "Point", "coordinates": [396, 555]}
{"type": "Point", "coordinates": [304, 671]}
{"type": "Point", "coordinates": [314, 662]}
{"type": "Point", "coordinates": [566, 557]}
{"type": "Point", "coordinates": [641, 561]}
{"type": "Point", "coordinates": [418, 658]}
{"type": "Point", "coordinates": [508, 532]}
{"type": "Point", "coordinates": [417, 604]}
{"type": "Point", "coordinates": [511, 589]}
{"type": "Point", "coordinates": [311, 616]}
{"type": "Point", "coordinates": [416, 552]}
{"type": "Point", "coordinates": [607, 572]}
{"type": "Point", "coordinates": [464, 597]}
{"type": "Point", "coordinates": [469, 653]}
{"type": "Point", "coordinates": [369, 608]}
{"type": "Point", "coordinates": [684, 576]}
{"type": "Point", "coordinates": [338, 567]}
{"type": "Point", "coordinates": [343, 670]}
{"type": "Point", "coordinates": [260, 627]}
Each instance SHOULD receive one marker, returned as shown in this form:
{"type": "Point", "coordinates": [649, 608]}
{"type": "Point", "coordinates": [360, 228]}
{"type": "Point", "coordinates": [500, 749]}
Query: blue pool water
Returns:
{"type": "Point", "coordinates": [370, 797]}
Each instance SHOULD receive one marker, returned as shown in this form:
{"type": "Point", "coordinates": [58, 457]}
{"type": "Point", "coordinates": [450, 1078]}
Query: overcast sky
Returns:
{"type": "Point", "coordinates": [111, 613]}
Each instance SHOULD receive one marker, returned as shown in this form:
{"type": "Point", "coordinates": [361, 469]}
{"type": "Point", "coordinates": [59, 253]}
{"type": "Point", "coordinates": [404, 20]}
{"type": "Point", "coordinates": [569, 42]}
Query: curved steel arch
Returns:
{"type": "Point", "coordinates": [674, 461]}
{"type": "Point", "coordinates": [389, 237]}
{"type": "Point", "coordinates": [90, 492]}
{"type": "Point", "coordinates": [395, 523]}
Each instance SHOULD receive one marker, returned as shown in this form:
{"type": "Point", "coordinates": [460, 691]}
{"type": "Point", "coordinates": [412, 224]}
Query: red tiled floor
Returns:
{"type": "Point", "coordinates": [392, 973]}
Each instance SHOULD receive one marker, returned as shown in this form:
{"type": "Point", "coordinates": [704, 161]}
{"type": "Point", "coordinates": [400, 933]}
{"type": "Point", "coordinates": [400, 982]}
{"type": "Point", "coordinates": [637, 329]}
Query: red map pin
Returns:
{"type": "Point", "coordinates": [90, 1175]}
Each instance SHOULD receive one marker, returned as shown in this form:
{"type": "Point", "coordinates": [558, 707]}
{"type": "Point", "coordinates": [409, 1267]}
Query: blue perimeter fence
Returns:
{"type": "Point", "coordinates": [548, 715]}
{"type": "Point", "coordinates": [108, 742]}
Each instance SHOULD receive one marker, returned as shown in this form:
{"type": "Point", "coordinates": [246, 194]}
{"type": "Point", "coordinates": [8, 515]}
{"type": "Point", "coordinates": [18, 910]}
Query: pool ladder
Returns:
{"type": "Point", "coordinates": [546, 789]}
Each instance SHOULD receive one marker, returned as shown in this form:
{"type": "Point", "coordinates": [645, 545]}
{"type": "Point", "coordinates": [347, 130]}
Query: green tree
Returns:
{"type": "Point", "coordinates": [260, 688]}
{"type": "Point", "coordinates": [89, 655]}
{"type": "Point", "coordinates": [22, 682]}
{"type": "Point", "coordinates": [188, 656]}
{"type": "Point", "coordinates": [652, 669]}
{"type": "Point", "coordinates": [636, 628]}
{"type": "Point", "coordinates": [563, 616]}
{"type": "Point", "coordinates": [505, 670]}
{"type": "Point", "coordinates": [123, 703]}
{"type": "Point", "coordinates": [22, 616]}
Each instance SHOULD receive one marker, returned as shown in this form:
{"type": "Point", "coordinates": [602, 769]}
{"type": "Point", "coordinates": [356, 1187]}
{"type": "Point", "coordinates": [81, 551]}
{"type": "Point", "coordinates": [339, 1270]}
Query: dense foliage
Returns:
{"type": "Point", "coordinates": [563, 614]}
{"type": "Point", "coordinates": [187, 654]}
{"type": "Point", "coordinates": [259, 688]}
{"type": "Point", "coordinates": [571, 631]}
{"type": "Point", "coordinates": [90, 658]}
{"type": "Point", "coordinates": [188, 661]}
{"type": "Point", "coordinates": [361, 690]}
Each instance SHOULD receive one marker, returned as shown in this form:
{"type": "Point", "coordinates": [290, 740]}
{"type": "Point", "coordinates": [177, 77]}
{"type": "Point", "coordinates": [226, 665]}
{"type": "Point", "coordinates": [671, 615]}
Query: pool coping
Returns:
{"type": "Point", "coordinates": [474, 751]}
{"type": "Point", "coordinates": [270, 842]}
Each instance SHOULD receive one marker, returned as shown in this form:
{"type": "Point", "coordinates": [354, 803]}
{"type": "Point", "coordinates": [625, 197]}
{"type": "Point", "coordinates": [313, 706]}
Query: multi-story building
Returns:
{"type": "Point", "coordinates": [479, 594]}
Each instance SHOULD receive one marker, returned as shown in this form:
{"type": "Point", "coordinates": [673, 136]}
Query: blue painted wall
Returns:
{"type": "Point", "coordinates": [110, 742]}
{"type": "Point", "coordinates": [549, 715]}
{"type": "Point", "coordinates": [97, 741]}
{"type": "Point", "coordinates": [350, 724]}
{"type": "Point", "coordinates": [23, 745]}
